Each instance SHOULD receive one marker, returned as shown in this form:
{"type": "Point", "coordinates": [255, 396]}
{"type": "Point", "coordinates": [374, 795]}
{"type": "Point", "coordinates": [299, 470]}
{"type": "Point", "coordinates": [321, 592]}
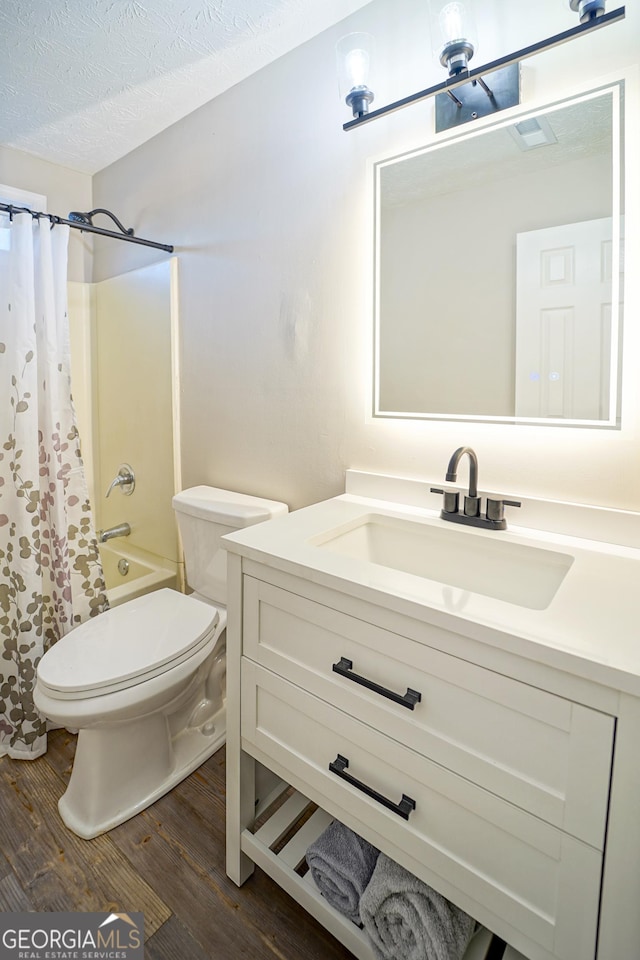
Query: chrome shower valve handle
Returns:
{"type": "Point", "coordinates": [125, 479]}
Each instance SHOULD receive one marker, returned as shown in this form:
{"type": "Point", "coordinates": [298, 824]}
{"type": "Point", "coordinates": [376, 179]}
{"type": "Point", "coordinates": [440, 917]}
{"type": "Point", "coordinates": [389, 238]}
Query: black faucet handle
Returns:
{"type": "Point", "coordinates": [451, 499]}
{"type": "Point", "coordinates": [495, 508]}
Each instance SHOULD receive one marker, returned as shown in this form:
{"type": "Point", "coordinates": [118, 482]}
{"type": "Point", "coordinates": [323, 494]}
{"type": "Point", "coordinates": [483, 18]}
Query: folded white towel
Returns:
{"type": "Point", "coordinates": [341, 865]}
{"type": "Point", "coordinates": [408, 920]}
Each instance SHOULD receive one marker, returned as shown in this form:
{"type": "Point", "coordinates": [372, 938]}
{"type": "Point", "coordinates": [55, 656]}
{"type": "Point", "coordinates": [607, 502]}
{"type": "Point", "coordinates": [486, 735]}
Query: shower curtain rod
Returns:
{"type": "Point", "coordinates": [11, 209]}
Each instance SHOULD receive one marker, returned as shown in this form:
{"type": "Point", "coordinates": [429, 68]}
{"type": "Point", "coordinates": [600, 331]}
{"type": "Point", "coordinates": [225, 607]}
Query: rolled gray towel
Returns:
{"type": "Point", "coordinates": [407, 920]}
{"type": "Point", "coordinates": [341, 865]}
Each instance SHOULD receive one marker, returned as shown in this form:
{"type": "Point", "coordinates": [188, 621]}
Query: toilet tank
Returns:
{"type": "Point", "coordinates": [204, 515]}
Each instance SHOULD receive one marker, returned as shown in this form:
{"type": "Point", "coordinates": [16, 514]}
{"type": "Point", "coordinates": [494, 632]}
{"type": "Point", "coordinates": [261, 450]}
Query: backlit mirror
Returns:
{"type": "Point", "coordinates": [498, 271]}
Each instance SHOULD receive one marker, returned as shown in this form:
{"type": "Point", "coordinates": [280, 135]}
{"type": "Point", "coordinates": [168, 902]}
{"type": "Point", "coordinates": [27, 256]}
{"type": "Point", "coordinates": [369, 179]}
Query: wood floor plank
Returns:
{"type": "Point", "coordinates": [12, 896]}
{"type": "Point", "coordinates": [198, 838]}
{"type": "Point", "coordinates": [197, 899]}
{"type": "Point", "coordinates": [61, 750]}
{"type": "Point", "coordinates": [204, 790]}
{"type": "Point", "coordinates": [287, 924]}
{"type": "Point", "coordinates": [56, 868]}
{"type": "Point", "coordinates": [200, 843]}
{"type": "Point", "coordinates": [173, 941]}
{"type": "Point", "coordinates": [5, 866]}
{"type": "Point", "coordinates": [168, 862]}
{"type": "Point", "coordinates": [25, 840]}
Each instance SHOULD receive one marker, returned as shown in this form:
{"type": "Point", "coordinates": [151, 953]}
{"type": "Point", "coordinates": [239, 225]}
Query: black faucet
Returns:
{"type": "Point", "coordinates": [472, 501]}
{"type": "Point", "coordinates": [471, 512]}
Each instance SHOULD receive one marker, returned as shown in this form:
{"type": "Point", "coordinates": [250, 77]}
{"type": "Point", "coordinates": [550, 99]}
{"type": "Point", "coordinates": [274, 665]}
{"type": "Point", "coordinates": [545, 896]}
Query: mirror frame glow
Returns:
{"type": "Point", "coordinates": [610, 89]}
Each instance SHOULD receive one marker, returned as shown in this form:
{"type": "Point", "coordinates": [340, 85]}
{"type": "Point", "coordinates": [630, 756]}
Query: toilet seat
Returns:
{"type": "Point", "coordinates": [127, 645]}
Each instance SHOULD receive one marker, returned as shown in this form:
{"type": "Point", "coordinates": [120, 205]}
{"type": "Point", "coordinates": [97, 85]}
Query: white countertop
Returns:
{"type": "Point", "coordinates": [590, 628]}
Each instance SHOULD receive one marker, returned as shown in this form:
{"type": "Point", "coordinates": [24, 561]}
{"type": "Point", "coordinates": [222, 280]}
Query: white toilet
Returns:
{"type": "Point", "coordinates": [144, 683]}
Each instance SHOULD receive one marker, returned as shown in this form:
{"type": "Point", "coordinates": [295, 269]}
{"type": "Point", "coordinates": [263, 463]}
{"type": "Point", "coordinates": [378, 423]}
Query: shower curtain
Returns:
{"type": "Point", "coordinates": [50, 572]}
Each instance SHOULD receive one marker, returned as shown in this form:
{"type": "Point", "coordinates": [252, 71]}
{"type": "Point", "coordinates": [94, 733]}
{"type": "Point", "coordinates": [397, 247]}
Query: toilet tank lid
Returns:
{"type": "Point", "coordinates": [224, 506]}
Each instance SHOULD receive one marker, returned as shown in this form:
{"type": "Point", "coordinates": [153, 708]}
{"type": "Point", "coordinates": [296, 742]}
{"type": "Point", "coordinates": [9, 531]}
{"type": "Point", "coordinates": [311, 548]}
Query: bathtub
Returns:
{"type": "Point", "coordinates": [144, 572]}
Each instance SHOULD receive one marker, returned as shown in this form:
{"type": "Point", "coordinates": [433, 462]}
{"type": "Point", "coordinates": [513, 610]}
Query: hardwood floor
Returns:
{"type": "Point", "coordinates": [168, 863]}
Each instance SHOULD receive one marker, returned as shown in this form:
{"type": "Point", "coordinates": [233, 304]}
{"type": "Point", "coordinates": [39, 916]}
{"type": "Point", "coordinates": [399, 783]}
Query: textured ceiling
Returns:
{"type": "Point", "coordinates": [83, 82]}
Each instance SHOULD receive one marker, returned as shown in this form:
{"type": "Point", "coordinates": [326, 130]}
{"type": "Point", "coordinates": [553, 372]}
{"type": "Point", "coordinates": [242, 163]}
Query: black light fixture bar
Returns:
{"type": "Point", "coordinates": [479, 72]}
{"type": "Point", "coordinates": [12, 209]}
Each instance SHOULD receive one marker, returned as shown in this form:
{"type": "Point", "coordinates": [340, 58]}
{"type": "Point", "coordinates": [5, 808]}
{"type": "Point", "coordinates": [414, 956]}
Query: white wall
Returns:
{"type": "Point", "coordinates": [64, 189]}
{"type": "Point", "coordinates": [268, 203]}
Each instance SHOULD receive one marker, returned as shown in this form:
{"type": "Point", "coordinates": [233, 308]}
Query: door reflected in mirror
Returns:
{"type": "Point", "coordinates": [498, 286]}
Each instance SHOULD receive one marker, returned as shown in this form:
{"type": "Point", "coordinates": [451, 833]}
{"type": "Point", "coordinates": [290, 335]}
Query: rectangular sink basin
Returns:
{"type": "Point", "coordinates": [524, 575]}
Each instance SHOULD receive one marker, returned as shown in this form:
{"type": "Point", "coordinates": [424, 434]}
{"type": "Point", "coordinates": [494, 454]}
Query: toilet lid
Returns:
{"type": "Point", "coordinates": [127, 644]}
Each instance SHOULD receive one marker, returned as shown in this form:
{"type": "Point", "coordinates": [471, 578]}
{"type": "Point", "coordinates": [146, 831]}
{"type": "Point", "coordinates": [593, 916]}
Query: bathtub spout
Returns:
{"type": "Point", "coordinates": [120, 530]}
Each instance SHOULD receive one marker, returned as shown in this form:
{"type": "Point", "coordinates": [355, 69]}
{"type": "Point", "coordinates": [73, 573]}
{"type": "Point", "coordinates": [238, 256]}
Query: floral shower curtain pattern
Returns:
{"type": "Point", "coordinates": [50, 573]}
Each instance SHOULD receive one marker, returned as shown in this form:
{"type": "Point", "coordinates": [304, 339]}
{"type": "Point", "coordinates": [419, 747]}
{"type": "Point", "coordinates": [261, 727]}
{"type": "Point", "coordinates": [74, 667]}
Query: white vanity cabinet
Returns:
{"type": "Point", "coordinates": [508, 784]}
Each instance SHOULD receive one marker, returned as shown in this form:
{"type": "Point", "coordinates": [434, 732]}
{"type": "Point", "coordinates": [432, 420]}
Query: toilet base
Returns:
{"type": "Point", "coordinates": [121, 769]}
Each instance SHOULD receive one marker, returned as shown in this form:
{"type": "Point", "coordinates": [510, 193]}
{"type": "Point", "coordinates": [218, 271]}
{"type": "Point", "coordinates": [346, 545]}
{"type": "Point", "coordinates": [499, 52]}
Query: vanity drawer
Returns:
{"type": "Point", "coordinates": [547, 755]}
{"type": "Point", "coordinates": [505, 862]}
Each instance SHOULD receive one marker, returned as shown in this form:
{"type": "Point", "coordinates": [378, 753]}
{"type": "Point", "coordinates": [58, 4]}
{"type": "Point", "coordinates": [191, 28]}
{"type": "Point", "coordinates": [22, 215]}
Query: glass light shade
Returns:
{"type": "Point", "coordinates": [355, 54]}
{"type": "Point", "coordinates": [454, 36]}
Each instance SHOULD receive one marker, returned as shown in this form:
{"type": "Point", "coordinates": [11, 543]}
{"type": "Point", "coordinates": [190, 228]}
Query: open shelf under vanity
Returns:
{"type": "Point", "coordinates": [285, 827]}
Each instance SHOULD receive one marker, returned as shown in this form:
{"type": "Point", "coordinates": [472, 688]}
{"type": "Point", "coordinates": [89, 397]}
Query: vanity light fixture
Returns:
{"type": "Point", "coordinates": [466, 93]}
{"type": "Point", "coordinates": [355, 54]}
{"type": "Point", "coordinates": [455, 40]}
{"type": "Point", "coordinates": [454, 34]}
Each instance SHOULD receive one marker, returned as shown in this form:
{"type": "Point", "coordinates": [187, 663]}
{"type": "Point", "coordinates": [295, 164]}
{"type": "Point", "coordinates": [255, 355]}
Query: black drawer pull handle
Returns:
{"type": "Point", "coordinates": [408, 699]}
{"type": "Point", "coordinates": [403, 809]}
